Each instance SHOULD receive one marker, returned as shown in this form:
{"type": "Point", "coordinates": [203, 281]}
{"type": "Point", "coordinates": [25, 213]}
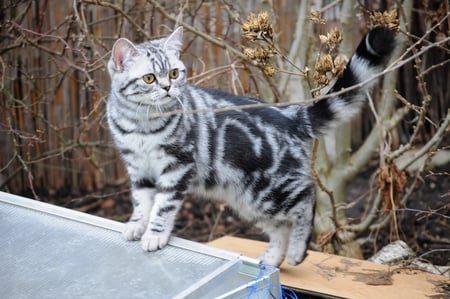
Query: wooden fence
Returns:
{"type": "Point", "coordinates": [53, 133]}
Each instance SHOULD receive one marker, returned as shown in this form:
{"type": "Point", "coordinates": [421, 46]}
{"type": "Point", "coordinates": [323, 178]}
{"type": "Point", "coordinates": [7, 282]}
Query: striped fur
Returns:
{"type": "Point", "coordinates": [256, 160]}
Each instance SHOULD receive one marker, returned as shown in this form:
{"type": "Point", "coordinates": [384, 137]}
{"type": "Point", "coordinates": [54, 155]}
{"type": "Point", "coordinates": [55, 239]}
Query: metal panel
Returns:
{"type": "Point", "coordinates": [52, 252]}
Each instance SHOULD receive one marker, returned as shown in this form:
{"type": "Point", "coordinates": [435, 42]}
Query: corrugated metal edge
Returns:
{"type": "Point", "coordinates": [216, 274]}
{"type": "Point", "coordinates": [60, 212]}
{"type": "Point", "coordinates": [269, 276]}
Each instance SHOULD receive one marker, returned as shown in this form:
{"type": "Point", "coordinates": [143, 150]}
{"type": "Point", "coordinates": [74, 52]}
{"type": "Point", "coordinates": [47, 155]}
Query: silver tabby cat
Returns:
{"type": "Point", "coordinates": [256, 160]}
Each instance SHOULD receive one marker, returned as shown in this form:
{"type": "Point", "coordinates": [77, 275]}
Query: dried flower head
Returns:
{"type": "Point", "coordinates": [320, 79]}
{"type": "Point", "coordinates": [332, 39]}
{"type": "Point", "coordinates": [323, 39]}
{"type": "Point", "coordinates": [317, 17]}
{"type": "Point", "coordinates": [249, 53]}
{"type": "Point", "coordinates": [326, 69]}
{"type": "Point", "coordinates": [264, 24]}
{"type": "Point", "coordinates": [325, 64]}
{"type": "Point", "coordinates": [251, 24]}
{"type": "Point", "coordinates": [339, 66]}
{"type": "Point", "coordinates": [269, 70]}
{"type": "Point", "coordinates": [387, 19]}
{"type": "Point", "coordinates": [257, 27]}
{"type": "Point", "coordinates": [259, 54]}
{"type": "Point", "coordinates": [335, 36]}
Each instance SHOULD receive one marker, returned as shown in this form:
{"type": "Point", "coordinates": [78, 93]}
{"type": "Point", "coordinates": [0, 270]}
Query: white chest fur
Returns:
{"type": "Point", "coordinates": [148, 159]}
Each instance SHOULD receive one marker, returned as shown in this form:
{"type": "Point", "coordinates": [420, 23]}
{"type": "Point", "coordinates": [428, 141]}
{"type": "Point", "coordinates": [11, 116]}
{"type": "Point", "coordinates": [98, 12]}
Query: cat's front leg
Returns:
{"type": "Point", "coordinates": [279, 237]}
{"type": "Point", "coordinates": [142, 199]}
{"type": "Point", "coordinates": [162, 219]}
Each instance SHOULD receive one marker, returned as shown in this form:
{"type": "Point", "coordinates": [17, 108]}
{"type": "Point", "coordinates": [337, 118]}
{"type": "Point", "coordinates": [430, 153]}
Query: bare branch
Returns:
{"type": "Point", "coordinates": [433, 143]}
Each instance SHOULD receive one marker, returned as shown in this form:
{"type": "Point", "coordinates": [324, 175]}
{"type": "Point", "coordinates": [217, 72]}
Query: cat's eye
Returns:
{"type": "Point", "coordinates": [149, 78]}
{"type": "Point", "coordinates": [173, 74]}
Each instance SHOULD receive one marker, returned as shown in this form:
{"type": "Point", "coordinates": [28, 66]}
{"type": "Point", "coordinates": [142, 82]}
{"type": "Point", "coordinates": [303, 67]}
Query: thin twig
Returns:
{"type": "Point", "coordinates": [425, 213]}
{"type": "Point", "coordinates": [115, 7]}
{"type": "Point", "coordinates": [432, 143]}
{"type": "Point", "coordinates": [319, 182]}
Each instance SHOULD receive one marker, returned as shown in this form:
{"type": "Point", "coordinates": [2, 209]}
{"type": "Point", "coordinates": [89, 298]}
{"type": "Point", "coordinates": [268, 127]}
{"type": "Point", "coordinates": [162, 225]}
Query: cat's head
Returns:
{"type": "Point", "coordinates": [150, 73]}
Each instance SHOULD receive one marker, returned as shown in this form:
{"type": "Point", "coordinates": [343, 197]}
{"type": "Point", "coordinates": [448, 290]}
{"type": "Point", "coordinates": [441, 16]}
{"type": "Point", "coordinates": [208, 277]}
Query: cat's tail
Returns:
{"type": "Point", "coordinates": [369, 58]}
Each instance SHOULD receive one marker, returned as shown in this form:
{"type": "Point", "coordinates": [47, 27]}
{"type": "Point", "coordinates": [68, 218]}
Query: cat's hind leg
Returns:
{"type": "Point", "coordinates": [142, 199]}
{"type": "Point", "coordinates": [278, 232]}
{"type": "Point", "coordinates": [302, 217]}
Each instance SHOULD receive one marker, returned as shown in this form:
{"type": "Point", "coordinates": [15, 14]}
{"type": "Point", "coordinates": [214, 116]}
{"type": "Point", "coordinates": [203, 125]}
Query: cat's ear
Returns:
{"type": "Point", "coordinates": [122, 50]}
{"type": "Point", "coordinates": [175, 41]}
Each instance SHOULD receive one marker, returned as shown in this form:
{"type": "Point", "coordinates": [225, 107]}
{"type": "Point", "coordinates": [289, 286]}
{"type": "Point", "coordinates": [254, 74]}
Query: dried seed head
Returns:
{"type": "Point", "coordinates": [327, 68]}
{"type": "Point", "coordinates": [250, 27]}
{"type": "Point", "coordinates": [335, 36]}
{"type": "Point", "coordinates": [269, 70]}
{"type": "Point", "coordinates": [332, 39]}
{"type": "Point", "coordinates": [320, 79]}
{"type": "Point", "coordinates": [325, 64]}
{"type": "Point", "coordinates": [387, 19]}
{"type": "Point", "coordinates": [265, 25]}
{"type": "Point", "coordinates": [323, 39]}
{"type": "Point", "coordinates": [323, 69]}
{"type": "Point", "coordinates": [317, 17]}
{"type": "Point", "coordinates": [257, 27]}
{"type": "Point", "coordinates": [249, 53]}
{"type": "Point", "coordinates": [263, 20]}
{"type": "Point", "coordinates": [260, 54]}
{"type": "Point", "coordinates": [339, 66]}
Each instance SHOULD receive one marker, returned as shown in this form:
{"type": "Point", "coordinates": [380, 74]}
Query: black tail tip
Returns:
{"type": "Point", "coordinates": [381, 41]}
{"type": "Point", "coordinates": [377, 46]}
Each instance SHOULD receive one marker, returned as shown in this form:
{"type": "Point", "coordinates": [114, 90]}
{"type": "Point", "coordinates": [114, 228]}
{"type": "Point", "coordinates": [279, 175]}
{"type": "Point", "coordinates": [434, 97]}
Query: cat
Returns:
{"type": "Point", "coordinates": [256, 160]}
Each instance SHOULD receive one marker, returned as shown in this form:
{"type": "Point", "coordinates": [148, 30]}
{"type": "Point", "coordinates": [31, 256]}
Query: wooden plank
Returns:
{"type": "Point", "coordinates": [337, 276]}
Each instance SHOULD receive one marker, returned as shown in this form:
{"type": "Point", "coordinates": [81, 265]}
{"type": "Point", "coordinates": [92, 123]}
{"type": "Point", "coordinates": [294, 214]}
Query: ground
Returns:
{"type": "Point", "coordinates": [424, 224]}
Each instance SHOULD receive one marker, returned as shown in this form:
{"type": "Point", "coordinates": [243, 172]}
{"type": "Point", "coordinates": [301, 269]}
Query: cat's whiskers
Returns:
{"type": "Point", "coordinates": [159, 108]}
{"type": "Point", "coordinates": [183, 108]}
{"type": "Point", "coordinates": [136, 115]}
{"type": "Point", "coordinates": [147, 112]}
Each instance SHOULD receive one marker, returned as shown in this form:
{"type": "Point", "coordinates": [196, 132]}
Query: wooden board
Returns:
{"type": "Point", "coordinates": [338, 276]}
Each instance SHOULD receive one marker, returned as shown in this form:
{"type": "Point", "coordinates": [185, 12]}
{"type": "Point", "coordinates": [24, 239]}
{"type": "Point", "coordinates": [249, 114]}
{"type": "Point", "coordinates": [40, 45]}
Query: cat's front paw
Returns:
{"type": "Point", "coordinates": [133, 230]}
{"type": "Point", "coordinates": [152, 242]}
{"type": "Point", "coordinates": [271, 259]}
{"type": "Point", "coordinates": [296, 256]}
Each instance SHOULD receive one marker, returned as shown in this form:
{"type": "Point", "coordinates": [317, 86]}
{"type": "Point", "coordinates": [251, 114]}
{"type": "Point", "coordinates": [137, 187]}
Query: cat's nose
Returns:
{"type": "Point", "coordinates": [166, 88]}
